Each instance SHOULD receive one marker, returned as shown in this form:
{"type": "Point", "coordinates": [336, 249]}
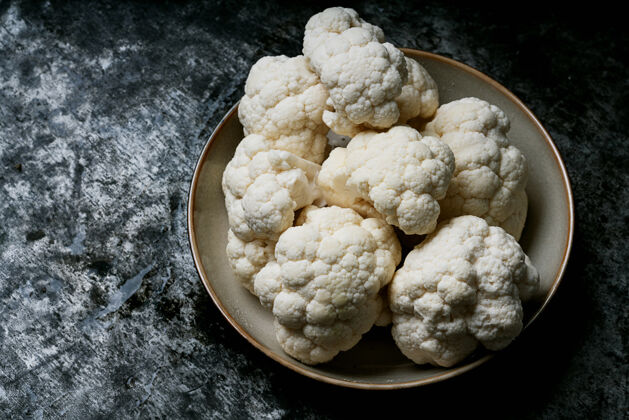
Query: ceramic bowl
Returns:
{"type": "Point", "coordinates": [376, 363]}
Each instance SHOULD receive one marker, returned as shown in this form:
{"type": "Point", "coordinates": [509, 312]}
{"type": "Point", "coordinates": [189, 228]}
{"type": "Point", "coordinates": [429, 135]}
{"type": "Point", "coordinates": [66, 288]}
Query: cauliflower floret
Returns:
{"type": "Point", "coordinates": [263, 188]}
{"type": "Point", "coordinates": [332, 181]}
{"type": "Point", "coordinates": [331, 268]}
{"type": "Point", "coordinates": [398, 175]}
{"type": "Point", "coordinates": [247, 259]}
{"type": "Point", "coordinates": [490, 176]}
{"type": "Point", "coordinates": [462, 285]}
{"type": "Point", "coordinates": [284, 102]}
{"type": "Point", "coordinates": [363, 74]}
{"type": "Point", "coordinates": [419, 99]}
{"type": "Point", "coordinates": [267, 284]}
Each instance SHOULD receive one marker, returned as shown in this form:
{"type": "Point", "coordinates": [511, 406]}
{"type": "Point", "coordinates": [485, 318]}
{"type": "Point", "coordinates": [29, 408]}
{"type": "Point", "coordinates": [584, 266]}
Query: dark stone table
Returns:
{"type": "Point", "coordinates": [104, 109]}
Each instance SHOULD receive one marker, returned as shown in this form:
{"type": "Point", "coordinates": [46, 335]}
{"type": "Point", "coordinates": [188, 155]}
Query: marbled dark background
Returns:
{"type": "Point", "coordinates": [104, 109]}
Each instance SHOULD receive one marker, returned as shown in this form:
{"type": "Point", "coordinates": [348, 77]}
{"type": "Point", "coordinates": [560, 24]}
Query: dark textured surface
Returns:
{"type": "Point", "coordinates": [104, 108]}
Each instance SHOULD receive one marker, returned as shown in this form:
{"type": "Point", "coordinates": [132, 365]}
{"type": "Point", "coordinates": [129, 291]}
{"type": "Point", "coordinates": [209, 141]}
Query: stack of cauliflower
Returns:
{"type": "Point", "coordinates": [314, 234]}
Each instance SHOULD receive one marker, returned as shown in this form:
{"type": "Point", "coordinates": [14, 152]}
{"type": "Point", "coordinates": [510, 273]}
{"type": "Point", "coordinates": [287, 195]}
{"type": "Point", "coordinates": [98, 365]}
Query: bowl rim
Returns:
{"type": "Point", "coordinates": [397, 385]}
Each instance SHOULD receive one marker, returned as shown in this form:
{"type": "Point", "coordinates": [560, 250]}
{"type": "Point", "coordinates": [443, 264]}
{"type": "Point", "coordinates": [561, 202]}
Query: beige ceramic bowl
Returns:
{"type": "Point", "coordinates": [375, 363]}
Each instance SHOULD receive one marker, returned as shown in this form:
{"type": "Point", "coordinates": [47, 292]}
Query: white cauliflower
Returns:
{"type": "Point", "coordinates": [263, 188]}
{"type": "Point", "coordinates": [461, 286]}
{"type": "Point", "coordinates": [332, 181]}
{"type": "Point", "coordinates": [324, 288]}
{"type": "Point", "coordinates": [490, 176]}
{"type": "Point", "coordinates": [419, 99]}
{"type": "Point", "coordinates": [267, 284]}
{"type": "Point", "coordinates": [420, 96]}
{"type": "Point", "coordinates": [329, 275]}
{"type": "Point", "coordinates": [397, 175]}
{"type": "Point", "coordinates": [284, 102]}
{"type": "Point", "coordinates": [363, 74]}
{"type": "Point", "coordinates": [247, 259]}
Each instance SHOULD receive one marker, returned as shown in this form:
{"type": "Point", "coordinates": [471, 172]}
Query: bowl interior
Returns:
{"type": "Point", "coordinates": [376, 362]}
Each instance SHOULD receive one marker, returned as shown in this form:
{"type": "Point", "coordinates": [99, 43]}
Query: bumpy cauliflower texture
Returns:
{"type": "Point", "coordinates": [248, 258]}
{"type": "Point", "coordinates": [363, 74]}
{"type": "Point", "coordinates": [325, 285]}
{"type": "Point", "coordinates": [263, 188]}
{"type": "Point", "coordinates": [419, 99]}
{"type": "Point", "coordinates": [490, 175]}
{"type": "Point", "coordinates": [284, 102]}
{"type": "Point", "coordinates": [398, 175]}
{"type": "Point", "coordinates": [461, 286]}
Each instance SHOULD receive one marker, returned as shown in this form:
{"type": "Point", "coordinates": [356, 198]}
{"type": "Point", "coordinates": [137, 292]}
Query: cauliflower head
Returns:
{"type": "Point", "coordinates": [324, 287]}
{"type": "Point", "coordinates": [264, 187]}
{"type": "Point", "coordinates": [284, 102]}
{"type": "Point", "coordinates": [247, 259]}
{"type": "Point", "coordinates": [490, 175]}
{"type": "Point", "coordinates": [461, 286]}
{"type": "Point", "coordinates": [420, 96]}
{"type": "Point", "coordinates": [363, 74]}
{"type": "Point", "coordinates": [397, 175]}
{"type": "Point", "coordinates": [419, 99]}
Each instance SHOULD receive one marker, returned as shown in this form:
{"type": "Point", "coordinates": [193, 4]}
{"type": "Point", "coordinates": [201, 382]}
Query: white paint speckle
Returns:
{"type": "Point", "coordinates": [129, 47]}
{"type": "Point", "coordinates": [123, 294]}
{"type": "Point", "coordinates": [11, 23]}
{"type": "Point", "coordinates": [105, 60]}
{"type": "Point", "coordinates": [77, 247]}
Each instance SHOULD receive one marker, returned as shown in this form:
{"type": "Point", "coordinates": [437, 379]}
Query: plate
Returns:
{"type": "Point", "coordinates": [376, 363]}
